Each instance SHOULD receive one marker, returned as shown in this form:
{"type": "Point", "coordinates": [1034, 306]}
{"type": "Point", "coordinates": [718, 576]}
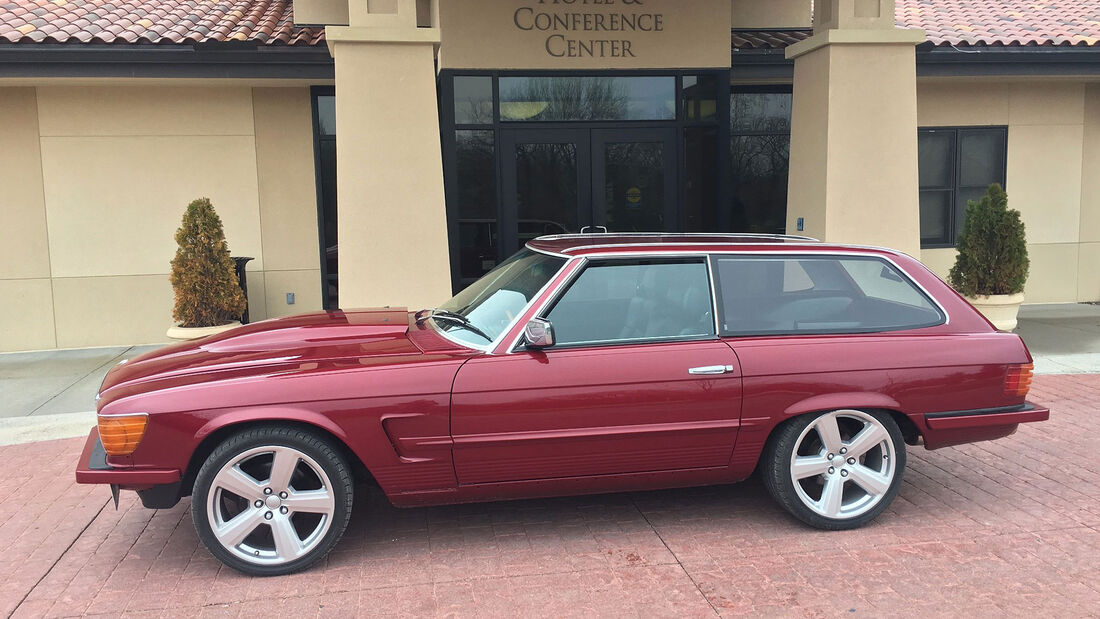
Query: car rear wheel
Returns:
{"type": "Point", "coordinates": [272, 500]}
{"type": "Point", "coordinates": [836, 470]}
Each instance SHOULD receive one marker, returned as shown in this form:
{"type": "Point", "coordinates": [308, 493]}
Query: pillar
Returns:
{"type": "Point", "coordinates": [391, 212]}
{"type": "Point", "coordinates": [853, 165]}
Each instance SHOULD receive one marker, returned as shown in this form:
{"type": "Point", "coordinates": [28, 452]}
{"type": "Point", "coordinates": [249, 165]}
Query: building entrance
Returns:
{"type": "Point", "coordinates": [559, 181]}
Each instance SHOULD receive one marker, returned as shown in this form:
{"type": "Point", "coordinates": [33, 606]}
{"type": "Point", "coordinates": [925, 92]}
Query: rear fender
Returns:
{"type": "Point", "coordinates": [837, 401]}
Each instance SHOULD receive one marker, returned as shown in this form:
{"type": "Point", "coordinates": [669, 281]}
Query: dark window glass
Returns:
{"type": "Point", "coordinates": [759, 170]}
{"type": "Point", "coordinates": [760, 112]}
{"type": "Point", "coordinates": [546, 189]}
{"type": "Point", "coordinates": [477, 203]}
{"type": "Point", "coordinates": [785, 295]}
{"type": "Point", "coordinates": [634, 186]}
{"type": "Point", "coordinates": [636, 300]}
{"type": "Point", "coordinates": [473, 100]}
{"type": "Point", "coordinates": [760, 144]}
{"type": "Point", "coordinates": [324, 134]}
{"type": "Point", "coordinates": [700, 97]}
{"type": "Point", "coordinates": [700, 184]}
{"type": "Point", "coordinates": [587, 98]}
{"type": "Point", "coordinates": [955, 165]}
{"type": "Point", "coordinates": [326, 114]}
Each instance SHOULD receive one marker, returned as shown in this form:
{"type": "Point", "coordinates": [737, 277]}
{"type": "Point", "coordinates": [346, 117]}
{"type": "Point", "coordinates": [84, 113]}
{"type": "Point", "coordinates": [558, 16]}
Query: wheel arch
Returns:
{"type": "Point", "coordinates": [217, 430]}
{"type": "Point", "coordinates": [863, 401]}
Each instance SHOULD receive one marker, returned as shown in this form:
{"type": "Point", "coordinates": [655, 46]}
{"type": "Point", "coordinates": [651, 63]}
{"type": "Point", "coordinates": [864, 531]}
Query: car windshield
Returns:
{"type": "Point", "coordinates": [488, 306]}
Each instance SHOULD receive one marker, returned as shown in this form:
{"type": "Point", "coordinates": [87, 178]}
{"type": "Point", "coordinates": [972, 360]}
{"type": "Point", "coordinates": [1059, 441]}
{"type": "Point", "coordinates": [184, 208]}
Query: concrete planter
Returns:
{"type": "Point", "coordinates": [1000, 309]}
{"type": "Point", "coordinates": [177, 332]}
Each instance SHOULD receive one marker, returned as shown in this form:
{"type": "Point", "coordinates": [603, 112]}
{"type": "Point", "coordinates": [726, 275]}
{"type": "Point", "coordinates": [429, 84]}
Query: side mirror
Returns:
{"type": "Point", "coordinates": [538, 333]}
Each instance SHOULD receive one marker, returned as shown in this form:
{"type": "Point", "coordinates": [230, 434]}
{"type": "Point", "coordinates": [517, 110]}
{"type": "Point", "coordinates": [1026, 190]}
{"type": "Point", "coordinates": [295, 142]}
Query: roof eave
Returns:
{"type": "Point", "coordinates": [208, 60]}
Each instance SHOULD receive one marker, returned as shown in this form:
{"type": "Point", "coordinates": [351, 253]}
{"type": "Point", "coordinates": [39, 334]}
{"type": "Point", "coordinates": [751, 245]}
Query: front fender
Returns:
{"type": "Point", "coordinates": [270, 413]}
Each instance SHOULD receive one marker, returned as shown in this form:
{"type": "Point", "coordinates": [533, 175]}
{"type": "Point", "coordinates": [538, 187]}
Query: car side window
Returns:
{"type": "Point", "coordinates": [631, 300]}
{"type": "Point", "coordinates": [774, 295]}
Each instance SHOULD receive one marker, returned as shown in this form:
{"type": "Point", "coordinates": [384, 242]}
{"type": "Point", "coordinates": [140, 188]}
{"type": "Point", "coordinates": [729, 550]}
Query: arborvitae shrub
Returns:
{"type": "Point", "coordinates": [203, 276]}
{"type": "Point", "coordinates": [992, 248]}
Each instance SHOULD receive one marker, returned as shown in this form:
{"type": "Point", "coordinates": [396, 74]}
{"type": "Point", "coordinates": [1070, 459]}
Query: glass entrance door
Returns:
{"type": "Point", "coordinates": [558, 181]}
{"type": "Point", "coordinates": [634, 180]}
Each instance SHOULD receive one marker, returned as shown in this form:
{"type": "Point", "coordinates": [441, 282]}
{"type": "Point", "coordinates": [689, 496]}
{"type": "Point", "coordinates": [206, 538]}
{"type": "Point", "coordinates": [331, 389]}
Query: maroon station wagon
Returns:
{"type": "Point", "coordinates": [584, 363]}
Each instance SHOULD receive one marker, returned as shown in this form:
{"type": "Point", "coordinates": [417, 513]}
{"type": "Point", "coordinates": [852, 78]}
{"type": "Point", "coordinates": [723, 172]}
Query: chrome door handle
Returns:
{"type": "Point", "coordinates": [711, 369]}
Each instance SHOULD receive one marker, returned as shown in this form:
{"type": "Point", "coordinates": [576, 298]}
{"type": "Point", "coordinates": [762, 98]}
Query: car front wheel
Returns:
{"type": "Point", "coordinates": [272, 500]}
{"type": "Point", "coordinates": [836, 470]}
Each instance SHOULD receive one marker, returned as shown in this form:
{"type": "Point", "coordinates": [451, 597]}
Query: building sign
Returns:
{"type": "Point", "coordinates": [584, 34]}
{"type": "Point", "coordinates": [573, 31]}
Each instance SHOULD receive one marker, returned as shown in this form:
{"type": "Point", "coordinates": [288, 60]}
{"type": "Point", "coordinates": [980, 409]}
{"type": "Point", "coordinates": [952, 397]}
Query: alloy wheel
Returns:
{"type": "Point", "coordinates": [843, 464]}
{"type": "Point", "coordinates": [270, 505]}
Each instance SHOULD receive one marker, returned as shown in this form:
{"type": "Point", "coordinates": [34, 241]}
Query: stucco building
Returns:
{"type": "Point", "coordinates": [464, 127]}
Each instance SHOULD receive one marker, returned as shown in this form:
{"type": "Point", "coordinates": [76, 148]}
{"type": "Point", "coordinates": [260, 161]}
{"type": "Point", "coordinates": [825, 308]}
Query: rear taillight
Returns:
{"type": "Point", "coordinates": [1018, 380]}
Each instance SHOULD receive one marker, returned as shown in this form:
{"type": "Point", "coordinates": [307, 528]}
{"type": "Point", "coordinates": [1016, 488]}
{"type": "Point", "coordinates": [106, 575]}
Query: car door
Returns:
{"type": "Point", "coordinates": [637, 382]}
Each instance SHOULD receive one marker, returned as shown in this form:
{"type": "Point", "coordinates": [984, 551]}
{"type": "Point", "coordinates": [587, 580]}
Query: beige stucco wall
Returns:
{"type": "Point", "coordinates": [1053, 151]}
{"type": "Point", "coordinates": [96, 180]}
{"type": "Point", "coordinates": [853, 172]}
{"type": "Point", "coordinates": [500, 34]}
{"type": "Point", "coordinates": [771, 13]}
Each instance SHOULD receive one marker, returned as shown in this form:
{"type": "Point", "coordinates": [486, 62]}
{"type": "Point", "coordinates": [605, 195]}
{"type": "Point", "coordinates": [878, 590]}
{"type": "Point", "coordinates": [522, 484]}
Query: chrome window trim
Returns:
{"type": "Point", "coordinates": [827, 254]}
{"type": "Point", "coordinates": [584, 260]}
{"type": "Point", "coordinates": [754, 235]}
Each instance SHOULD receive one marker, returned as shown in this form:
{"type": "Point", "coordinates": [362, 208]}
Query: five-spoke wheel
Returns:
{"type": "Point", "coordinates": [272, 500]}
{"type": "Point", "coordinates": [836, 470]}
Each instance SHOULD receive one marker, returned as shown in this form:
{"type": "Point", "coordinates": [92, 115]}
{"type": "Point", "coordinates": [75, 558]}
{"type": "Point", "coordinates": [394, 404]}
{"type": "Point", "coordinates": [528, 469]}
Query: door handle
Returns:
{"type": "Point", "coordinates": [711, 369]}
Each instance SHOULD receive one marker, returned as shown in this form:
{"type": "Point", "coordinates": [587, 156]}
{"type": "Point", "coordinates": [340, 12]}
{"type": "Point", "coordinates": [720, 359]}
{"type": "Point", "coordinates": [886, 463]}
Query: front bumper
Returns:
{"type": "Point", "coordinates": [158, 488]}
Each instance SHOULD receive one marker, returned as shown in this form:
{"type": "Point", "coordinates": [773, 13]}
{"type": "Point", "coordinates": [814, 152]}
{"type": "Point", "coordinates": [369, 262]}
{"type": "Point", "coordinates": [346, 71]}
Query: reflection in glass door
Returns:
{"type": "Point", "coordinates": [634, 179]}
{"type": "Point", "coordinates": [546, 185]}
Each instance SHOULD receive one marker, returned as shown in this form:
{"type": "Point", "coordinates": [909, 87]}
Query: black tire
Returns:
{"type": "Point", "coordinates": [321, 450]}
{"type": "Point", "coordinates": [776, 471]}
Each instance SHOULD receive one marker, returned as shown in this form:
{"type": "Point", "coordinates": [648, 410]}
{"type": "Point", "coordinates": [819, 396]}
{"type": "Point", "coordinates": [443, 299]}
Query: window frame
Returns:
{"type": "Point", "coordinates": [720, 308]}
{"type": "Point", "coordinates": [319, 138]}
{"type": "Point", "coordinates": [957, 211]}
{"type": "Point", "coordinates": [587, 262]}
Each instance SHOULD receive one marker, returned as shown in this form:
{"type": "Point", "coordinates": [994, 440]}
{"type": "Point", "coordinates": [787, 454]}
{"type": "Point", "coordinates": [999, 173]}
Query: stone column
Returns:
{"type": "Point", "coordinates": [853, 166]}
{"type": "Point", "coordinates": [391, 212]}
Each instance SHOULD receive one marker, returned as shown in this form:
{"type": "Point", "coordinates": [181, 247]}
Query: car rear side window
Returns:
{"type": "Point", "coordinates": [766, 295]}
{"type": "Point", "coordinates": [635, 300]}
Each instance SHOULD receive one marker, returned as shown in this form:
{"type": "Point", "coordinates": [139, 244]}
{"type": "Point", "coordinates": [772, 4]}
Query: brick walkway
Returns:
{"type": "Point", "coordinates": [1010, 527]}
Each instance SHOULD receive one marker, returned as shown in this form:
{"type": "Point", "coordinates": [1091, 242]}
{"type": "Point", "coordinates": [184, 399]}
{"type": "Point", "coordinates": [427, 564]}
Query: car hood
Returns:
{"type": "Point", "coordinates": [272, 346]}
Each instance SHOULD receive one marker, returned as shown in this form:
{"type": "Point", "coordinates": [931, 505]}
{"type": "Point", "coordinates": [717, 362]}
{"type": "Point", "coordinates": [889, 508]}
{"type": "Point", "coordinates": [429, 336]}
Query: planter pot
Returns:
{"type": "Point", "coordinates": [1000, 309]}
{"type": "Point", "coordinates": [193, 333]}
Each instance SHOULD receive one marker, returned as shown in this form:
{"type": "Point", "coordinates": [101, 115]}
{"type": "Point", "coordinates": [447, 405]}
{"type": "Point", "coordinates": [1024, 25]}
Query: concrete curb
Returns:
{"type": "Point", "coordinates": [17, 430]}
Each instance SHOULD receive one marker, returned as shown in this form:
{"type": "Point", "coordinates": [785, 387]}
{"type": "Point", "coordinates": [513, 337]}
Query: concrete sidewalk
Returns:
{"type": "Point", "coordinates": [51, 394]}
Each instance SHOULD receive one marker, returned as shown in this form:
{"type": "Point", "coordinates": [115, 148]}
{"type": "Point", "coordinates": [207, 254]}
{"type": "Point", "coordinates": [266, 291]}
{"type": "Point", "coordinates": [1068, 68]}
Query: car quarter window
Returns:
{"type": "Point", "coordinates": [629, 300]}
{"type": "Point", "coordinates": [765, 295]}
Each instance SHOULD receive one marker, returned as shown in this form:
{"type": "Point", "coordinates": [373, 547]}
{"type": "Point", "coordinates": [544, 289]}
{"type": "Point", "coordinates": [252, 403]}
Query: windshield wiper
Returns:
{"type": "Point", "coordinates": [456, 318]}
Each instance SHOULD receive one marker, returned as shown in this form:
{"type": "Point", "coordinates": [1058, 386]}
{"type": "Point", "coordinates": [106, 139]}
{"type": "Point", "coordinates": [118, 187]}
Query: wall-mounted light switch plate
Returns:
{"type": "Point", "coordinates": [290, 298]}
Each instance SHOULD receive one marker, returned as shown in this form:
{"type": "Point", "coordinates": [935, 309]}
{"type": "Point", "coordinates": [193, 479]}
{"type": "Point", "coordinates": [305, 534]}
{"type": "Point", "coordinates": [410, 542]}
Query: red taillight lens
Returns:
{"type": "Point", "coordinates": [1018, 380]}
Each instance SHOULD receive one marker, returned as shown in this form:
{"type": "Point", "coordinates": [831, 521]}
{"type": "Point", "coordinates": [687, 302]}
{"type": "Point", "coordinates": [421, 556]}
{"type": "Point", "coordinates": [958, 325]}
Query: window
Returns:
{"type": "Point", "coordinates": [759, 157]}
{"type": "Point", "coordinates": [583, 98]}
{"type": "Point", "coordinates": [619, 301]}
{"type": "Point", "coordinates": [788, 295]}
{"type": "Point", "coordinates": [956, 165]}
{"type": "Point", "coordinates": [324, 146]}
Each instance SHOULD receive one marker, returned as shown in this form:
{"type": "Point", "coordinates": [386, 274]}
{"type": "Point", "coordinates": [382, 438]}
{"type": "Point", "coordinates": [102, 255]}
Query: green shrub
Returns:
{"type": "Point", "coordinates": [992, 248]}
{"type": "Point", "coordinates": [203, 277]}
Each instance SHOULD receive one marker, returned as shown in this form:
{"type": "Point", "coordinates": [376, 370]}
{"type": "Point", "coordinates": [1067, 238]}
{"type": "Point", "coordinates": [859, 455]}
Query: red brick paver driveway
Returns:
{"type": "Point", "coordinates": [1010, 527]}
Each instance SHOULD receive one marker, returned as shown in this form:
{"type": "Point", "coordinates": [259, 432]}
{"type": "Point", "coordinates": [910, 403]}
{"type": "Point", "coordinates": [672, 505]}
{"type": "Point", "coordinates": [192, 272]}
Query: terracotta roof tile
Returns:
{"type": "Point", "coordinates": [1003, 22]}
{"type": "Point", "coordinates": [267, 22]}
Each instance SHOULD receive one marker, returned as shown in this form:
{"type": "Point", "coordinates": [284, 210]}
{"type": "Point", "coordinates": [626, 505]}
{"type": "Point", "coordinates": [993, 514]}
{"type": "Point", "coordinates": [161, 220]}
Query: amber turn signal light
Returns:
{"type": "Point", "coordinates": [1018, 379]}
{"type": "Point", "coordinates": [120, 434]}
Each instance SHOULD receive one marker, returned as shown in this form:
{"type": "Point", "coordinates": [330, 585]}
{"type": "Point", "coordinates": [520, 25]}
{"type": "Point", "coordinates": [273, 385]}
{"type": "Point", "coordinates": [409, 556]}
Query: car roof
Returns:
{"type": "Point", "coordinates": [643, 242]}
